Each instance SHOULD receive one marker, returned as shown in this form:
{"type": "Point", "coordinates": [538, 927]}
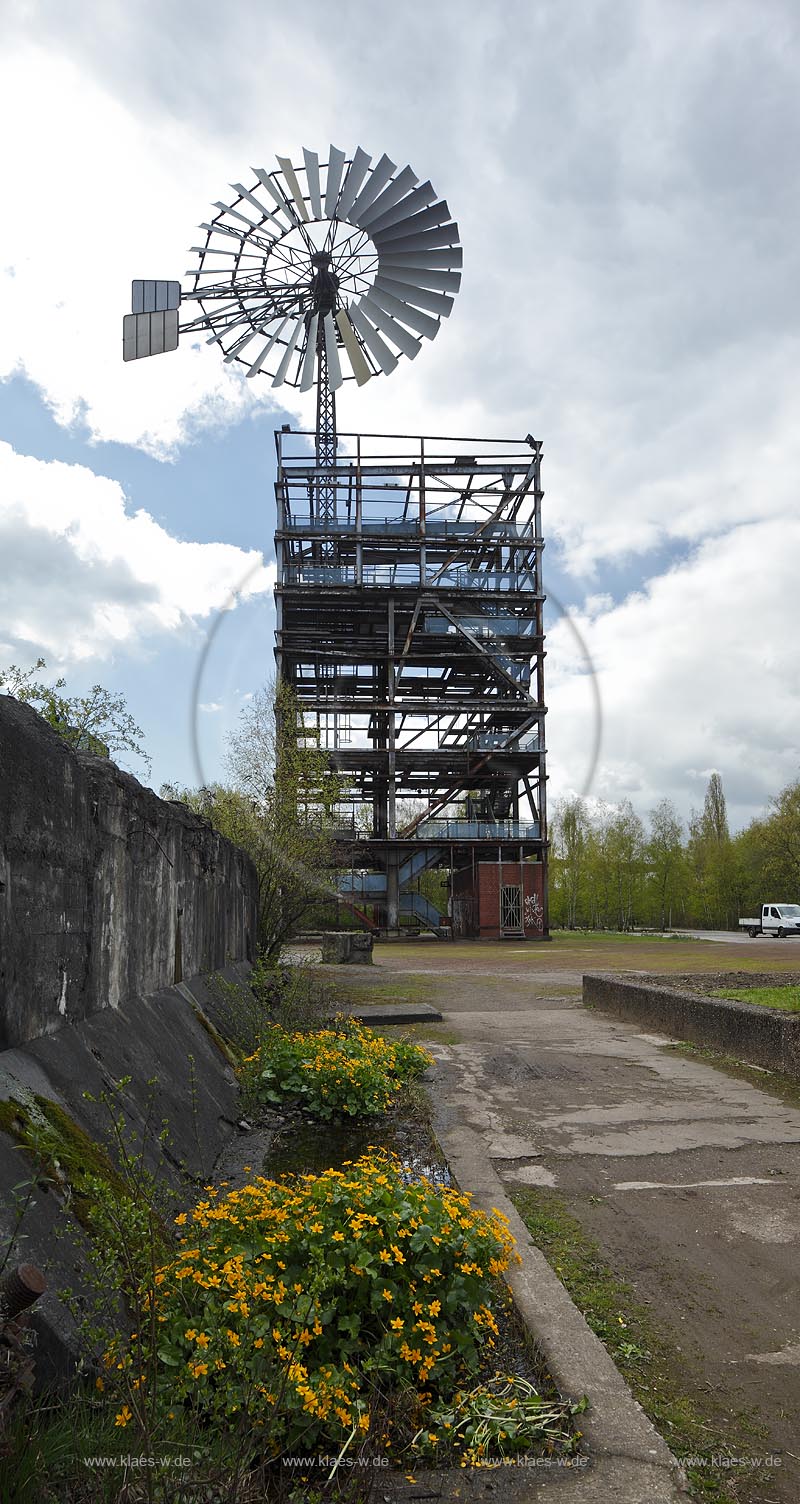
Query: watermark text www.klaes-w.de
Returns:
{"type": "Point", "coordinates": [323, 1461]}
{"type": "Point", "coordinates": [317, 1462]}
{"type": "Point", "coordinates": [130, 1460]}
{"type": "Point", "coordinates": [772, 1460]}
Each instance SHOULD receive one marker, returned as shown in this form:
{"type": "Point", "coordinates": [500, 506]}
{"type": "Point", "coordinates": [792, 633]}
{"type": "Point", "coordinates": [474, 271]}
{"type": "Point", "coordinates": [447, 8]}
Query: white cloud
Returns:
{"type": "Point", "coordinates": [697, 671]}
{"type": "Point", "coordinates": [98, 197]}
{"type": "Point", "coordinates": [629, 253]}
{"type": "Point", "coordinates": [84, 576]}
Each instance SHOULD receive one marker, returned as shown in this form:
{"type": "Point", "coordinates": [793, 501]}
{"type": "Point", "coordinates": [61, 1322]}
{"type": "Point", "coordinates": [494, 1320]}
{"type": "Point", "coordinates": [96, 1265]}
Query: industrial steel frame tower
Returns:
{"type": "Point", "coordinates": [409, 625]}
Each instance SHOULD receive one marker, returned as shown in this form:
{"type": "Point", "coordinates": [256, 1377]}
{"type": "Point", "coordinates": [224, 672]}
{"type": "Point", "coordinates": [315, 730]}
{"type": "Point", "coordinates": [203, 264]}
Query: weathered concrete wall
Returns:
{"type": "Point", "coordinates": [174, 1070]}
{"type": "Point", "coordinates": [761, 1036]}
{"type": "Point", "coordinates": [107, 893]}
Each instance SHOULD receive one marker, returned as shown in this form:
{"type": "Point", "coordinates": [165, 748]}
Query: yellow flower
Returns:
{"type": "Point", "coordinates": [387, 1295]}
{"type": "Point", "coordinates": [123, 1417]}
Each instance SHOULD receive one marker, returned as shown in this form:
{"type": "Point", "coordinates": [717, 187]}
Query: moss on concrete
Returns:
{"type": "Point", "coordinates": [64, 1152]}
{"type": "Point", "coordinates": [216, 1038]}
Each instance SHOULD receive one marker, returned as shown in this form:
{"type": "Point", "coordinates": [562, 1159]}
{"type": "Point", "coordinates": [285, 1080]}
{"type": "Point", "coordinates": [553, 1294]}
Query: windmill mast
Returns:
{"type": "Point", "coordinates": [324, 291]}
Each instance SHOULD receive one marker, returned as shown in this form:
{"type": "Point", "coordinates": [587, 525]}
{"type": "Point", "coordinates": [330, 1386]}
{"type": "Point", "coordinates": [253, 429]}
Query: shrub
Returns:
{"type": "Point", "coordinates": [292, 1301]}
{"type": "Point", "coordinates": [345, 1070]}
{"type": "Point", "coordinates": [245, 1010]}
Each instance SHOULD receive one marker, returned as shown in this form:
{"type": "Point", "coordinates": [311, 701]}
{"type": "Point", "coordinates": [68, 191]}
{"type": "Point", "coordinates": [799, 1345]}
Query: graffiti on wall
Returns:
{"type": "Point", "coordinates": [534, 912]}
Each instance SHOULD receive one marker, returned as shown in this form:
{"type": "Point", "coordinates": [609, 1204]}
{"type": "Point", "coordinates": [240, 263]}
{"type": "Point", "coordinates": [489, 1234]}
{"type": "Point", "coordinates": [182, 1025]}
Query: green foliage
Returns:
{"type": "Point", "coordinates": [246, 1011]}
{"type": "Point", "coordinates": [97, 722]}
{"type": "Point", "coordinates": [768, 852]}
{"type": "Point", "coordinates": [288, 1302]}
{"type": "Point", "coordinates": [598, 866]}
{"type": "Point", "coordinates": [607, 872]}
{"type": "Point", "coordinates": [667, 868]}
{"type": "Point", "coordinates": [347, 1071]}
{"type": "Point", "coordinates": [572, 830]}
{"type": "Point", "coordinates": [280, 808]}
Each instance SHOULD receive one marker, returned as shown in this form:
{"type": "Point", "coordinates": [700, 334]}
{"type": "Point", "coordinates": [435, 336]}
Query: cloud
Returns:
{"type": "Point", "coordinates": [698, 670]}
{"type": "Point", "coordinates": [629, 278]}
{"type": "Point", "coordinates": [85, 577]}
{"type": "Point", "coordinates": [99, 197]}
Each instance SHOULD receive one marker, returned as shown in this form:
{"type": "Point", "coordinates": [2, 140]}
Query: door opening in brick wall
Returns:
{"type": "Point", "coordinates": [511, 908]}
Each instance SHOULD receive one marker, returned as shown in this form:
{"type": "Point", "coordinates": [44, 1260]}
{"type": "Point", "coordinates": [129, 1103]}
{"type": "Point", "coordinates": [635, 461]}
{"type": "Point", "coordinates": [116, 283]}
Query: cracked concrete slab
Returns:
{"type": "Point", "coordinates": [600, 1106]}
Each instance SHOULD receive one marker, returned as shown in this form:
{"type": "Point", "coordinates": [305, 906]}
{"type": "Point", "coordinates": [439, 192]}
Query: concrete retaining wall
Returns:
{"type": "Point", "coordinates": [107, 893]}
{"type": "Point", "coordinates": [750, 1032]}
{"type": "Point", "coordinates": [173, 1069]}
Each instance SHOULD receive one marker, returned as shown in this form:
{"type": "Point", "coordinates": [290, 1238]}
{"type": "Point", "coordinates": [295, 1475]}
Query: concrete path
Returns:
{"type": "Point", "coordinates": [688, 1177]}
{"type": "Point", "coordinates": [728, 937]}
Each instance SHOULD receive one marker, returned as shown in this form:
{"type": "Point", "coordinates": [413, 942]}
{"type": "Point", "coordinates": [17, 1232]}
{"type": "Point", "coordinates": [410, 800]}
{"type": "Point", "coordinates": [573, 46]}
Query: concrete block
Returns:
{"type": "Point", "coordinates": [748, 1031]}
{"type": "Point", "coordinates": [346, 948]}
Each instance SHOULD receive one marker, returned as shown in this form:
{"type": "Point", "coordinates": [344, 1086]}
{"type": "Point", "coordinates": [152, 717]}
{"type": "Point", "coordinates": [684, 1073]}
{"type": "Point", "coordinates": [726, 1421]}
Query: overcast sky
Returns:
{"type": "Point", "coordinates": [625, 179]}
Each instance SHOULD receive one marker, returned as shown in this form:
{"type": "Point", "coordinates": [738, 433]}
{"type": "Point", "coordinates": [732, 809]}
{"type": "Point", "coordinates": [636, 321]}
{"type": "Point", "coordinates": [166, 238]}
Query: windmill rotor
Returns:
{"type": "Point", "coordinates": [317, 271]}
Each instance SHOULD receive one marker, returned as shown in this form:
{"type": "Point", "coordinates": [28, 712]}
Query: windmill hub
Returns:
{"type": "Point", "coordinates": [324, 286]}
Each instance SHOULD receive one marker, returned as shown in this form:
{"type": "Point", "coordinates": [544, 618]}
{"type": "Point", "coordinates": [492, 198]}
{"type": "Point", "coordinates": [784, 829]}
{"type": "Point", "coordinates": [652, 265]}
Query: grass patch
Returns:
{"type": "Point", "coordinates": [644, 1354]}
{"type": "Point", "coordinates": [786, 999]}
{"type": "Point", "coordinates": [352, 993]}
{"type": "Point", "coordinates": [436, 1033]}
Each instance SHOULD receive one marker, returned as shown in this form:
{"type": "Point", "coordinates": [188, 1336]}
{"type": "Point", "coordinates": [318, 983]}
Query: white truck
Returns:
{"type": "Point", "coordinates": [777, 919]}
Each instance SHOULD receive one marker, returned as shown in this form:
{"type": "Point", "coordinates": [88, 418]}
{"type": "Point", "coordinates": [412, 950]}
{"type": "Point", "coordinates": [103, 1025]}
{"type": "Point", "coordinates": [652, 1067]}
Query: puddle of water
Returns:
{"type": "Point", "coordinates": [304, 1148]}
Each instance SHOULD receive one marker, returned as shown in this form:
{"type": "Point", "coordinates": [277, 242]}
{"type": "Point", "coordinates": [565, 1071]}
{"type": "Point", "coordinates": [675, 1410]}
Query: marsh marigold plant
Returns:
{"type": "Point", "coordinates": [288, 1300]}
{"type": "Point", "coordinates": [343, 1071]}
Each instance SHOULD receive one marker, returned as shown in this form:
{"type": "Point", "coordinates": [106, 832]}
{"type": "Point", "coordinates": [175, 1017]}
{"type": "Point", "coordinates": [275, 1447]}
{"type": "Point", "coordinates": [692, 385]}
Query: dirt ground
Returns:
{"type": "Point", "coordinates": [713, 981]}
{"type": "Point", "coordinates": [686, 1174]}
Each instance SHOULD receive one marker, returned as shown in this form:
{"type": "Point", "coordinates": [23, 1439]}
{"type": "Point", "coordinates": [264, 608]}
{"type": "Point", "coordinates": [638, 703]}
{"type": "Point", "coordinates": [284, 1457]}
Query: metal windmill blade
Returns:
{"type": "Point", "coordinates": [340, 264]}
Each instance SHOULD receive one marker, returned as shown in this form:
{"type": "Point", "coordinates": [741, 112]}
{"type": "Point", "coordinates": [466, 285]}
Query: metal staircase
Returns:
{"type": "Point", "coordinates": [371, 887]}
